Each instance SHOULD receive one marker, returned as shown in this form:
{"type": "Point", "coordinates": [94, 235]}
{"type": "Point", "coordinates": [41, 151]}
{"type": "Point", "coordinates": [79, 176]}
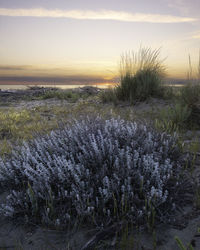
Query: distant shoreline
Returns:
{"type": "Point", "coordinates": [8, 86]}
{"type": "Point", "coordinates": [60, 86]}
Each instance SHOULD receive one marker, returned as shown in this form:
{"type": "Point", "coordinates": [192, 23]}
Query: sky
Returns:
{"type": "Point", "coordinates": [74, 41]}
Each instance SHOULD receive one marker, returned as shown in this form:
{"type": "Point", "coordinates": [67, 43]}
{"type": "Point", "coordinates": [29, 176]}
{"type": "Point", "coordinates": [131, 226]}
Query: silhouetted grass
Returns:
{"type": "Point", "coordinates": [190, 94]}
{"type": "Point", "coordinates": [141, 75]}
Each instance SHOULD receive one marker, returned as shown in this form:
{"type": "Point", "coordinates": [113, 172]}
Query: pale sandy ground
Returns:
{"type": "Point", "coordinates": [16, 236]}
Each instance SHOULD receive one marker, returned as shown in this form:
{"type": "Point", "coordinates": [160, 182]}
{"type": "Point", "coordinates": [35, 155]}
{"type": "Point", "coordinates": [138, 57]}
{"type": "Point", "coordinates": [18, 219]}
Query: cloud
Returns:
{"type": "Point", "coordinates": [197, 36]}
{"type": "Point", "coordinates": [73, 79]}
{"type": "Point", "coordinates": [95, 15]}
{"type": "Point", "coordinates": [13, 67]}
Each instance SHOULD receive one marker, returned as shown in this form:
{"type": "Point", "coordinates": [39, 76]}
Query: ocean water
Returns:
{"type": "Point", "coordinates": [16, 86]}
{"type": "Point", "coordinates": [67, 86]}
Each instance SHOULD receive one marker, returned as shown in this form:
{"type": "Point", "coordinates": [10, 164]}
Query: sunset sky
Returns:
{"type": "Point", "coordinates": [74, 41]}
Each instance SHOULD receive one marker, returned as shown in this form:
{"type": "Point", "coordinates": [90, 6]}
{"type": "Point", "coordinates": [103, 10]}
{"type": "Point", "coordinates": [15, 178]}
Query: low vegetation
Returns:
{"type": "Point", "coordinates": [95, 169]}
{"type": "Point", "coordinates": [59, 164]}
{"type": "Point", "coordinates": [141, 76]}
{"type": "Point", "coordinates": [190, 98]}
{"type": "Point", "coordinates": [63, 95]}
{"type": "Point", "coordinates": [19, 125]}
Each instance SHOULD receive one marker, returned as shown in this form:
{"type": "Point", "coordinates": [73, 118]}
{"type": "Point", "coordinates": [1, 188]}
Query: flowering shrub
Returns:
{"type": "Point", "coordinates": [95, 168]}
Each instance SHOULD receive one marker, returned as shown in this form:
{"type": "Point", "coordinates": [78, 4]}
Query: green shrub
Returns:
{"type": "Point", "coordinates": [108, 95]}
{"type": "Point", "coordinates": [62, 95]}
{"type": "Point", "coordinates": [144, 84]}
{"type": "Point", "coordinates": [141, 75]}
{"type": "Point", "coordinates": [190, 94]}
{"type": "Point", "coordinates": [190, 97]}
{"type": "Point", "coordinates": [169, 92]}
{"type": "Point", "coordinates": [176, 117]}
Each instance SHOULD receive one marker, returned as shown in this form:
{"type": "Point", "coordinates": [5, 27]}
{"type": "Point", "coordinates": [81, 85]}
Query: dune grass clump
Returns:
{"type": "Point", "coordinates": [174, 118]}
{"type": "Point", "coordinates": [141, 75]}
{"type": "Point", "coordinates": [190, 98]}
{"type": "Point", "coordinates": [109, 95]}
{"type": "Point", "coordinates": [190, 94]}
{"type": "Point", "coordinates": [101, 171]}
{"type": "Point", "coordinates": [185, 113]}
